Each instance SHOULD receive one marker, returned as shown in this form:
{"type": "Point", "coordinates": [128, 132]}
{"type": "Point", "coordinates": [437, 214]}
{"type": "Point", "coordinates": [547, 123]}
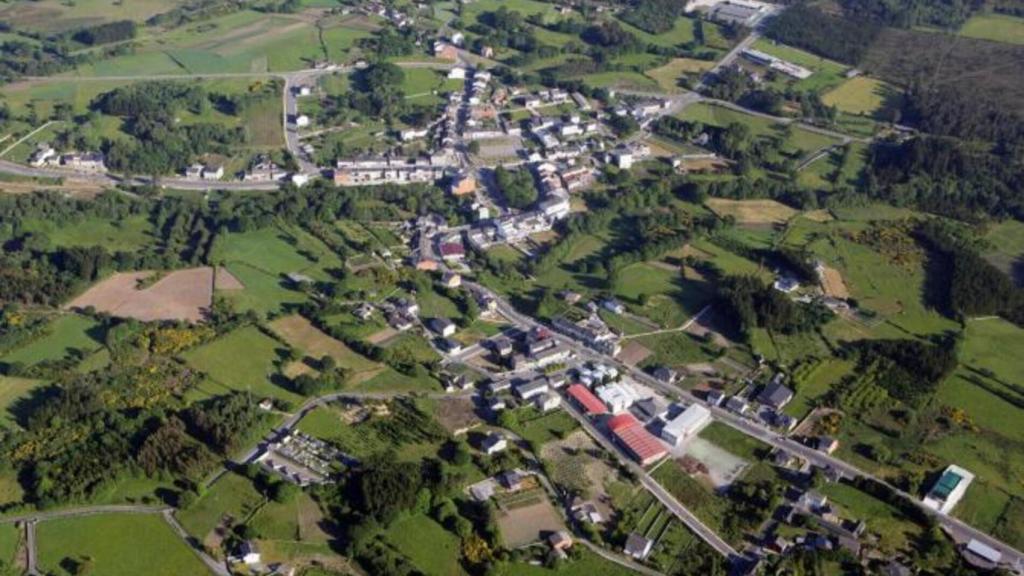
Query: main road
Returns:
{"type": "Point", "coordinates": [959, 530]}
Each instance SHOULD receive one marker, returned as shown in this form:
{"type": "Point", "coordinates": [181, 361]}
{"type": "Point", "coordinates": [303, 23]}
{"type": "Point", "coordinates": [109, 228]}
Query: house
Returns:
{"type": "Point", "coordinates": [299, 180]}
{"type": "Point", "coordinates": [686, 424]}
{"type": "Point", "coordinates": [547, 401]}
{"type": "Point", "coordinates": [982, 555]}
{"type": "Point", "coordinates": [495, 386]}
{"type": "Point", "coordinates": [813, 501]}
{"type": "Point", "coordinates": [452, 251]}
{"type": "Point", "coordinates": [463, 184]}
{"type": "Point", "coordinates": [637, 547]}
{"type": "Point", "coordinates": [249, 553]}
{"type": "Point", "coordinates": [400, 322]}
{"type": "Point", "coordinates": [494, 442]}
{"type": "Point", "coordinates": [482, 491]}
{"type": "Point", "coordinates": [457, 73]}
{"type": "Point", "coordinates": [737, 405]}
{"type": "Point", "coordinates": [826, 444]}
{"type": "Point", "coordinates": [84, 161]}
{"type": "Point", "coordinates": [194, 172]}
{"type": "Point", "coordinates": [586, 512]}
{"type": "Point", "coordinates": [487, 52]}
{"type": "Point", "coordinates": [213, 172]}
{"type": "Point", "coordinates": [635, 439]}
{"type": "Point", "coordinates": [786, 284]}
{"type": "Point", "coordinates": [302, 121]}
{"type": "Point", "coordinates": [612, 305]}
{"type": "Point", "coordinates": [666, 375]}
{"type": "Point", "coordinates": [778, 544]}
{"type": "Point", "coordinates": [715, 397]}
{"type": "Point", "coordinates": [894, 568]}
{"type": "Point", "coordinates": [445, 51]}
{"type": "Point", "coordinates": [775, 395]}
{"type": "Point", "coordinates": [560, 540]}
{"type": "Point", "coordinates": [458, 38]}
{"type": "Point", "coordinates": [784, 422]}
{"type": "Point", "coordinates": [442, 326]}
{"type": "Point", "coordinates": [266, 404]}
{"type": "Point", "coordinates": [496, 405]}
{"type": "Point", "coordinates": [297, 279]}
{"type": "Point", "coordinates": [406, 306]}
{"type": "Point", "coordinates": [451, 279]}
{"type": "Point", "coordinates": [651, 408]}
{"type": "Point", "coordinates": [512, 480]}
{"type": "Point", "coordinates": [42, 154]}
{"type": "Point", "coordinates": [303, 91]}
{"type": "Point", "coordinates": [501, 345]}
{"type": "Point", "coordinates": [528, 390]}
{"type": "Point", "coordinates": [948, 489]}
{"type": "Point", "coordinates": [451, 346]}
{"type": "Point", "coordinates": [363, 311]}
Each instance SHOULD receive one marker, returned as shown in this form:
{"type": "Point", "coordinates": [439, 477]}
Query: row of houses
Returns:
{"type": "Point", "coordinates": [387, 170]}
{"type": "Point", "coordinates": [44, 155]}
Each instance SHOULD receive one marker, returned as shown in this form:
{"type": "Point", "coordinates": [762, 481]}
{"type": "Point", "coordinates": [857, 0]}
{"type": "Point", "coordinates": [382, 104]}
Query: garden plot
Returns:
{"type": "Point", "coordinates": [527, 518]}
{"type": "Point", "coordinates": [703, 458]}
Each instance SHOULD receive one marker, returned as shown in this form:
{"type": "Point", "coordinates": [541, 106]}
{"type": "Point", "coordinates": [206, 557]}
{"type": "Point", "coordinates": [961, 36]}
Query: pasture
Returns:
{"type": "Point", "coordinates": [65, 335]}
{"type": "Point", "coordinates": [232, 496]}
{"type": "Point", "coordinates": [588, 564]}
{"type": "Point", "coordinates": [428, 545]}
{"type": "Point", "coordinates": [220, 361]}
{"type": "Point", "coordinates": [55, 16]}
{"type": "Point", "coordinates": [826, 73]}
{"type": "Point", "coordinates": [669, 75]}
{"type": "Point", "coordinates": [13, 389]}
{"type": "Point", "coordinates": [1005, 248]}
{"type": "Point", "coordinates": [895, 530]}
{"type": "Point", "coordinates": [118, 544]}
{"type": "Point", "coordinates": [799, 142]}
{"type": "Point", "coordinates": [114, 235]}
{"type": "Point", "coordinates": [298, 519]}
{"type": "Point", "coordinates": [526, 516]}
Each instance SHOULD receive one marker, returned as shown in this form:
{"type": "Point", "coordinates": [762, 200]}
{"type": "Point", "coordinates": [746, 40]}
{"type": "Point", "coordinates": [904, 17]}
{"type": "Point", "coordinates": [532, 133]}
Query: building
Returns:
{"type": "Point", "coordinates": [406, 306]}
{"type": "Point", "coordinates": [737, 405]}
{"type": "Point", "coordinates": [982, 555]}
{"type": "Point", "coordinates": [400, 322]}
{"type": "Point", "coordinates": [445, 51]}
{"type": "Point", "coordinates": [452, 251]}
{"type": "Point", "coordinates": [592, 331]}
{"type": "Point", "coordinates": [826, 444]}
{"type": "Point", "coordinates": [614, 306]}
{"type": "Point", "coordinates": [302, 121]}
{"type": "Point", "coordinates": [666, 375]}
{"type": "Point", "coordinates": [512, 480]}
{"type": "Point", "coordinates": [531, 389]}
{"type": "Point", "coordinates": [715, 397]}
{"type": "Point", "coordinates": [249, 553]}
{"type": "Point", "coordinates": [637, 547]}
{"type": "Point", "coordinates": [686, 424]}
{"type": "Point", "coordinates": [547, 401]}
{"type": "Point", "coordinates": [494, 443]}
{"type": "Point", "coordinates": [948, 489]}
{"type": "Point", "coordinates": [213, 172]}
{"type": "Point", "coordinates": [585, 399]}
{"type": "Point", "coordinates": [560, 540]}
{"type": "Point", "coordinates": [42, 154]}
{"type": "Point", "coordinates": [84, 161]}
{"type": "Point", "coordinates": [501, 345]}
{"type": "Point", "coordinates": [442, 326]}
{"type": "Point", "coordinates": [651, 408]}
{"type": "Point", "coordinates": [457, 73]}
{"type": "Point", "coordinates": [451, 346]}
{"type": "Point", "coordinates": [617, 397]}
{"type": "Point", "coordinates": [775, 395]}
{"type": "Point", "coordinates": [629, 433]}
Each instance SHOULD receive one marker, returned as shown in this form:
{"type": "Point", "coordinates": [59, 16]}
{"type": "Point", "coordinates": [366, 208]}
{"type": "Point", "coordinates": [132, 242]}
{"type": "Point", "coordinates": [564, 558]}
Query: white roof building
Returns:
{"type": "Point", "coordinates": [949, 489]}
{"type": "Point", "coordinates": [617, 396]}
{"type": "Point", "coordinates": [686, 424]}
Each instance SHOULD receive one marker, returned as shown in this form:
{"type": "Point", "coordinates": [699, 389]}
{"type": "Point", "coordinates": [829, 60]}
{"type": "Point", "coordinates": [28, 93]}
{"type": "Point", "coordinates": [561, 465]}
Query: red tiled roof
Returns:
{"type": "Point", "coordinates": [585, 398]}
{"type": "Point", "coordinates": [451, 248]}
{"type": "Point", "coordinates": [644, 447]}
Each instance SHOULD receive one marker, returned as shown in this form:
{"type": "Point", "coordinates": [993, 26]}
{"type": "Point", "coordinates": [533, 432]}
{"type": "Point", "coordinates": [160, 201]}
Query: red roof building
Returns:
{"type": "Point", "coordinates": [452, 250]}
{"type": "Point", "coordinates": [631, 435]}
{"type": "Point", "coordinates": [585, 399]}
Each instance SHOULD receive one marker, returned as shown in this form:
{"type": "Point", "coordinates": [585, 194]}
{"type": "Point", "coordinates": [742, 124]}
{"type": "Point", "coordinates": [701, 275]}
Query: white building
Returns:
{"type": "Point", "coordinates": [302, 120]}
{"type": "Point", "coordinates": [618, 397]}
{"type": "Point", "coordinates": [686, 424]}
{"type": "Point", "coordinates": [949, 489]}
{"type": "Point", "coordinates": [547, 401]}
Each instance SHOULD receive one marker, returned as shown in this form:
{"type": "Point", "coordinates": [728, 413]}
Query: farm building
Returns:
{"type": "Point", "coordinates": [631, 435]}
{"type": "Point", "coordinates": [686, 424]}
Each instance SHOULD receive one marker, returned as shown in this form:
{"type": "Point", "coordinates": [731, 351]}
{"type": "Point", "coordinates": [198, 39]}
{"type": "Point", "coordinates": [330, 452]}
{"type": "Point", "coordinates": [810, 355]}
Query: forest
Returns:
{"type": "Point", "coordinates": [832, 36]}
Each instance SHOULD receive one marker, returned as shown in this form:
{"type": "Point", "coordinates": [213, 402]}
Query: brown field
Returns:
{"type": "Point", "coordinates": [180, 295]}
{"type": "Point", "coordinates": [576, 462]}
{"type": "Point", "coordinates": [752, 211]}
{"type": "Point", "coordinates": [705, 164]}
{"type": "Point", "coordinates": [457, 414]}
{"type": "Point", "coordinates": [832, 283]}
{"type": "Point", "coordinates": [314, 344]}
{"type": "Point", "coordinates": [525, 525]}
{"type": "Point", "coordinates": [382, 336]}
{"type": "Point", "coordinates": [633, 353]}
{"type": "Point", "coordinates": [224, 280]}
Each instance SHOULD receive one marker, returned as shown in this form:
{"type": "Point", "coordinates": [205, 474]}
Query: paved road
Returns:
{"type": "Point", "coordinates": [26, 137]}
{"type": "Point", "coordinates": [84, 511]}
{"type": "Point", "coordinates": [215, 566]}
{"type": "Point", "coordinates": [31, 550]}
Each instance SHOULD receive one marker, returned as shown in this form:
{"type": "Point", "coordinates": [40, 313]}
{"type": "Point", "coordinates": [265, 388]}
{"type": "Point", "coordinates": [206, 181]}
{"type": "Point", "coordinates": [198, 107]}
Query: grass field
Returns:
{"type": "Point", "coordinates": [751, 211]}
{"type": "Point", "coordinates": [800, 142]}
{"type": "Point", "coordinates": [670, 298]}
{"type": "Point", "coordinates": [295, 520]}
{"type": "Point", "coordinates": [589, 564]}
{"type": "Point", "coordinates": [65, 334]}
{"type": "Point", "coordinates": [54, 16]}
{"type": "Point", "coordinates": [431, 548]}
{"type": "Point", "coordinates": [1006, 248]}
{"type": "Point", "coordinates": [734, 442]}
{"type": "Point", "coordinates": [895, 531]}
{"type": "Point", "coordinates": [232, 495]}
{"type": "Point", "coordinates": [10, 537]}
{"type": "Point", "coordinates": [314, 344]}
{"type": "Point", "coordinates": [221, 361]}
{"type": "Point", "coordinates": [860, 95]}
{"type": "Point", "coordinates": [997, 27]}
{"type": "Point", "coordinates": [125, 234]}
{"type": "Point", "coordinates": [538, 429]}
{"type": "Point", "coordinates": [668, 76]}
{"type": "Point", "coordinates": [119, 545]}
{"type": "Point", "coordinates": [813, 381]}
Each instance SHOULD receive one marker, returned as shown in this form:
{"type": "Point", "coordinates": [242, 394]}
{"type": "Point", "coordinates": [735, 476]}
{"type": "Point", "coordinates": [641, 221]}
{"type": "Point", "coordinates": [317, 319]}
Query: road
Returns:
{"type": "Point", "coordinates": [25, 137]}
{"type": "Point", "coordinates": [959, 530]}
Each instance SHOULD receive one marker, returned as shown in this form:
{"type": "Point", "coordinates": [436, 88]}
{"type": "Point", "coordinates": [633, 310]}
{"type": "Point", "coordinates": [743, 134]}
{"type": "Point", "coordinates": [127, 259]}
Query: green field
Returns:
{"type": "Point", "coordinates": [294, 520]}
{"type": "Point", "coordinates": [589, 564]}
{"type": "Point", "coordinates": [119, 545]}
{"type": "Point", "coordinates": [734, 442]}
{"type": "Point", "coordinates": [814, 380]}
{"type": "Point", "coordinates": [1006, 247]}
{"type": "Point", "coordinates": [861, 95]}
{"type": "Point", "coordinates": [801, 141]}
{"type": "Point", "coordinates": [10, 537]}
{"type": "Point", "coordinates": [538, 429]}
{"type": "Point", "coordinates": [126, 234]}
{"type": "Point", "coordinates": [358, 441]}
{"type": "Point", "coordinates": [232, 495]}
{"type": "Point", "coordinates": [671, 299]}
{"type": "Point", "coordinates": [54, 16]}
{"type": "Point", "coordinates": [997, 27]}
{"type": "Point", "coordinates": [429, 546]}
{"type": "Point", "coordinates": [64, 335]}
{"type": "Point", "coordinates": [219, 360]}
{"type": "Point", "coordinates": [895, 531]}
{"type": "Point", "coordinates": [826, 73]}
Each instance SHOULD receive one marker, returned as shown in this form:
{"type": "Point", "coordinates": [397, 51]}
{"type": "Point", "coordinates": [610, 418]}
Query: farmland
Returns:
{"type": "Point", "coordinates": [219, 361]}
{"type": "Point", "coordinates": [997, 27]}
{"type": "Point", "coordinates": [861, 95]}
{"type": "Point", "coordinates": [65, 335]}
{"type": "Point", "coordinates": [102, 539]}
{"type": "Point", "coordinates": [11, 391]}
{"type": "Point", "coordinates": [431, 548]}
{"type": "Point", "coordinates": [232, 496]}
